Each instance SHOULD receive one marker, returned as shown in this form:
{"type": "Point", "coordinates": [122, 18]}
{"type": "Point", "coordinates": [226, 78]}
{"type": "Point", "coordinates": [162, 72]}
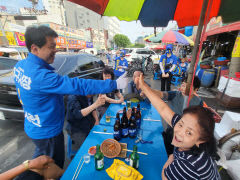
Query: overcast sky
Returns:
{"type": "Point", "coordinates": [134, 29]}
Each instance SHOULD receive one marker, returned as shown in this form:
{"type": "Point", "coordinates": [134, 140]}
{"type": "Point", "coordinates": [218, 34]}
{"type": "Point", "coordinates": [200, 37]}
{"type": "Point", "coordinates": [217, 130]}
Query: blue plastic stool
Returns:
{"type": "Point", "coordinates": [156, 76]}
{"type": "Point", "coordinates": [70, 153]}
{"type": "Point", "coordinates": [176, 80]}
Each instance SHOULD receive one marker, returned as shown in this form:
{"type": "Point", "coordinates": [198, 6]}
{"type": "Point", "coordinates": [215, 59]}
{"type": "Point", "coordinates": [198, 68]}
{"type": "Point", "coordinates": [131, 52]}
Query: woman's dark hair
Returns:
{"type": "Point", "coordinates": [207, 125]}
{"type": "Point", "coordinates": [107, 70]}
{"type": "Point", "coordinates": [37, 35]}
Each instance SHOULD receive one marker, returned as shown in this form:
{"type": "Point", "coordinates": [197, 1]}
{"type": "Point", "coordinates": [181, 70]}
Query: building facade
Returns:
{"type": "Point", "coordinates": [102, 29]}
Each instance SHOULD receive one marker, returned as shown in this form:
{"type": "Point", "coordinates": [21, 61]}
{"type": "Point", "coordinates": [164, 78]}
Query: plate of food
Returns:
{"type": "Point", "coordinates": [110, 148]}
{"type": "Point", "coordinates": [92, 150]}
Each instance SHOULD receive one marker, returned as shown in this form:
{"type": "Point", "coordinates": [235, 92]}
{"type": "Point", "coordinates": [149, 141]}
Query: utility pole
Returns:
{"type": "Point", "coordinates": [196, 45]}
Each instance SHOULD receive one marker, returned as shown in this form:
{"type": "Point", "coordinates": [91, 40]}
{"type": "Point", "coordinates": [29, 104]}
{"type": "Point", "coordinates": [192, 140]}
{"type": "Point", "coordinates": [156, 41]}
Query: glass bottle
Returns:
{"type": "Point", "coordinates": [99, 159]}
{"type": "Point", "coordinates": [134, 158]}
{"type": "Point", "coordinates": [138, 116]}
{"type": "Point", "coordinates": [124, 124]}
{"type": "Point", "coordinates": [117, 128]}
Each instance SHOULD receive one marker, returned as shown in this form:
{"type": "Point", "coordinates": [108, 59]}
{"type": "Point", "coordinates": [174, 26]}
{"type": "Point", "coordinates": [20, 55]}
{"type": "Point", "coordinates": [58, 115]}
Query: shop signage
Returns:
{"type": "Point", "coordinates": [10, 38]}
{"type": "Point", "coordinates": [89, 44]}
{"type": "Point", "coordinates": [20, 39]}
{"type": "Point", "coordinates": [236, 48]}
{"type": "Point", "coordinates": [214, 23]}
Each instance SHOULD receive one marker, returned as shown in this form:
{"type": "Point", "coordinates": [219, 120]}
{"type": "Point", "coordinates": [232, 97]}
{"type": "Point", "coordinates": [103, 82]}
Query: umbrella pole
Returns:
{"type": "Point", "coordinates": [196, 49]}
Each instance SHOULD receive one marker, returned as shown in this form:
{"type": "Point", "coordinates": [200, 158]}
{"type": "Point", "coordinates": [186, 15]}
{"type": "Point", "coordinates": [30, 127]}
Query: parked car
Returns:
{"type": "Point", "coordinates": [80, 65]}
{"type": "Point", "coordinates": [138, 53]}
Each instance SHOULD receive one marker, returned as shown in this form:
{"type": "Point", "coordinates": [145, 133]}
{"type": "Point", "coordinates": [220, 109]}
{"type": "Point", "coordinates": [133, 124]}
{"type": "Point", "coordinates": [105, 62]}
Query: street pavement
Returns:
{"type": "Point", "coordinates": [16, 147]}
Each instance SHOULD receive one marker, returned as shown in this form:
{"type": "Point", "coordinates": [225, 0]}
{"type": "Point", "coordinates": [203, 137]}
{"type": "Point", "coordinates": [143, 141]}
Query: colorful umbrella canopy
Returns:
{"type": "Point", "coordinates": [157, 13]}
{"type": "Point", "coordinates": [171, 37]}
{"type": "Point", "coordinates": [159, 46]}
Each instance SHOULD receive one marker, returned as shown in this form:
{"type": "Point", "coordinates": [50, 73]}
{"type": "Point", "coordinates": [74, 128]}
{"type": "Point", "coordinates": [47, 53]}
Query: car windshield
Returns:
{"type": "Point", "coordinates": [7, 64]}
{"type": "Point", "coordinates": [64, 64]}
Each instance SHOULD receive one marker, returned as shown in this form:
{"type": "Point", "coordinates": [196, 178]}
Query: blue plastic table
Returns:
{"type": "Point", "coordinates": [150, 166]}
{"type": "Point", "coordinates": [148, 112]}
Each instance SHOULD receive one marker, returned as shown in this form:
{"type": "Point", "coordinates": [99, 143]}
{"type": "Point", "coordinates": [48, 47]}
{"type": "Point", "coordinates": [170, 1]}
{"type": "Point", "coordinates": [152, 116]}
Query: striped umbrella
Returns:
{"type": "Point", "coordinates": [171, 37]}
{"type": "Point", "coordinates": [157, 13]}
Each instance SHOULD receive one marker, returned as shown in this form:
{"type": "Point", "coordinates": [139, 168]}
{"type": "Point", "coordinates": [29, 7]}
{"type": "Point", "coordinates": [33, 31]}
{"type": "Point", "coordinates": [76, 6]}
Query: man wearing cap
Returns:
{"type": "Point", "coordinates": [120, 66]}
{"type": "Point", "coordinates": [168, 63]}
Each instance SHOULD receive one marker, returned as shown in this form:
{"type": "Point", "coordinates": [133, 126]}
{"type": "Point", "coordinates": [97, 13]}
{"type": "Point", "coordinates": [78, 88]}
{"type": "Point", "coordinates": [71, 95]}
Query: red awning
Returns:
{"type": "Point", "coordinates": [230, 27]}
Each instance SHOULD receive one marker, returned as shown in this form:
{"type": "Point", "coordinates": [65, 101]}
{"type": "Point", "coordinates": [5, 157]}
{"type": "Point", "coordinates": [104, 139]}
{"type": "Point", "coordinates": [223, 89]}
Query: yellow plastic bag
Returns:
{"type": "Point", "coordinates": [134, 100]}
{"type": "Point", "coordinates": [120, 171]}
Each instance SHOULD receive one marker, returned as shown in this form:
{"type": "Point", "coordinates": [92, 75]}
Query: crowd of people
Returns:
{"type": "Point", "coordinates": [189, 135]}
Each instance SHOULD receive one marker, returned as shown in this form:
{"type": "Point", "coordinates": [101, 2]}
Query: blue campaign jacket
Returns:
{"type": "Point", "coordinates": [168, 61]}
{"type": "Point", "coordinates": [118, 72]}
{"type": "Point", "coordinates": [41, 91]}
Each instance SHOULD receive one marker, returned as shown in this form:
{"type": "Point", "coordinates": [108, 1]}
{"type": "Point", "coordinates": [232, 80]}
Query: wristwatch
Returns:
{"type": "Point", "coordinates": [26, 164]}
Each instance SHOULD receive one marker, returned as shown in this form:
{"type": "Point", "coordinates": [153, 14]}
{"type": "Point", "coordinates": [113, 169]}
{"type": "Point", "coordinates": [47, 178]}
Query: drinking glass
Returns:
{"type": "Point", "coordinates": [108, 116]}
{"type": "Point", "coordinates": [128, 104]}
{"type": "Point", "coordinates": [86, 158]}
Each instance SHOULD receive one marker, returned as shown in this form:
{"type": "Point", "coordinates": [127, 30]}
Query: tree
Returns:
{"type": "Point", "coordinates": [137, 45]}
{"type": "Point", "coordinates": [121, 40]}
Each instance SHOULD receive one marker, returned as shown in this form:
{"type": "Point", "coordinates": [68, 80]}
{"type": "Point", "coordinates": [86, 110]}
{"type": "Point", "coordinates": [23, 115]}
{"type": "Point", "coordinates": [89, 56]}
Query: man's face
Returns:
{"type": "Point", "coordinates": [183, 88]}
{"type": "Point", "coordinates": [46, 52]}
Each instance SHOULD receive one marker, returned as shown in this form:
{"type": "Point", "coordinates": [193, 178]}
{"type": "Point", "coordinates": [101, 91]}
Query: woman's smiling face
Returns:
{"type": "Point", "coordinates": [187, 133]}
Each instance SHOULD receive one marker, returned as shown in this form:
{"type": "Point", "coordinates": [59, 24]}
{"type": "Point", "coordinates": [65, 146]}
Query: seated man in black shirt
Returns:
{"type": "Point", "coordinates": [81, 117]}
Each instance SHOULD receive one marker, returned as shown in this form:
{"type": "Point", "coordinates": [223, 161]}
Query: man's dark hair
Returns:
{"type": "Point", "coordinates": [196, 82]}
{"type": "Point", "coordinates": [139, 69]}
{"type": "Point", "coordinates": [206, 122]}
{"type": "Point", "coordinates": [108, 70]}
{"type": "Point", "coordinates": [37, 35]}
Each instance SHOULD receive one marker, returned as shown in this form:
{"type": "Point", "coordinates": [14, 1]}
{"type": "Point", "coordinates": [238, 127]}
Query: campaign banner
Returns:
{"type": "Point", "coordinates": [20, 39]}
{"type": "Point", "coordinates": [76, 44]}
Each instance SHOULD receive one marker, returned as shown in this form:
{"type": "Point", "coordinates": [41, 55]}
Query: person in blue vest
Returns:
{"type": "Point", "coordinates": [40, 91]}
{"type": "Point", "coordinates": [184, 65]}
{"type": "Point", "coordinates": [167, 63]}
{"type": "Point", "coordinates": [120, 66]}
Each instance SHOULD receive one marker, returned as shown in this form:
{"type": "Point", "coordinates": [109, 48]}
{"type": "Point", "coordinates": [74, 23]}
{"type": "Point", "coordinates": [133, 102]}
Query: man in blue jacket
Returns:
{"type": "Point", "coordinates": [41, 90]}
